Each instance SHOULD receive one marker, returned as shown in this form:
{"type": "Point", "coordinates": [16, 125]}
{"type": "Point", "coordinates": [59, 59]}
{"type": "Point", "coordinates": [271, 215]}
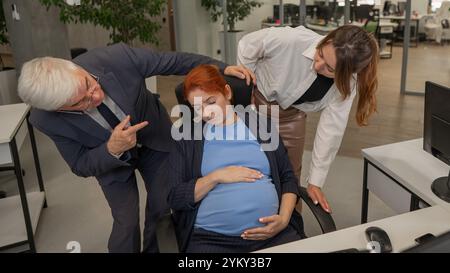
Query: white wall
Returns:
{"type": "Point", "coordinates": [8, 87]}
{"type": "Point", "coordinates": [250, 24]}
{"type": "Point", "coordinates": [87, 36]}
{"type": "Point", "coordinates": [192, 27]}
{"type": "Point", "coordinates": [421, 6]}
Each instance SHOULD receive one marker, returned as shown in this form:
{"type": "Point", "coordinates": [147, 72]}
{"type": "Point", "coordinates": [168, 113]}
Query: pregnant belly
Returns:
{"type": "Point", "coordinates": [230, 209]}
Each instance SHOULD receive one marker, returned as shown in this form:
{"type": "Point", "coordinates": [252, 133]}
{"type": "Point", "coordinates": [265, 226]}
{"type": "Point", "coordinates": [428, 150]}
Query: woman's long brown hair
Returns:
{"type": "Point", "coordinates": [356, 52]}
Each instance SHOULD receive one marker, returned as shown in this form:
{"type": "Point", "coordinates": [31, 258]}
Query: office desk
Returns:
{"type": "Point", "coordinates": [401, 174]}
{"type": "Point", "coordinates": [402, 230]}
{"type": "Point", "coordinates": [266, 25]}
{"type": "Point", "coordinates": [386, 33]}
{"type": "Point", "coordinates": [400, 18]}
{"type": "Point", "coordinates": [19, 215]}
{"type": "Point", "coordinates": [415, 19]}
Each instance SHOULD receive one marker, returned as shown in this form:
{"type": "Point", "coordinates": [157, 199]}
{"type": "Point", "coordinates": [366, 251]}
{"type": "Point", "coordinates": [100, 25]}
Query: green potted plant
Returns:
{"type": "Point", "coordinates": [126, 20]}
{"type": "Point", "coordinates": [237, 10]}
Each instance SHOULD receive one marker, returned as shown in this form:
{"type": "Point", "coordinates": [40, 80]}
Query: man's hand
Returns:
{"type": "Point", "coordinates": [317, 196]}
{"type": "Point", "coordinates": [241, 72]}
{"type": "Point", "coordinates": [123, 138]}
{"type": "Point", "coordinates": [274, 224]}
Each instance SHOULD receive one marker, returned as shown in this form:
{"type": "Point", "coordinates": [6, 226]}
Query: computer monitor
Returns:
{"type": "Point", "coordinates": [339, 12]}
{"type": "Point", "coordinates": [439, 244]}
{"type": "Point", "coordinates": [291, 12]}
{"type": "Point", "coordinates": [387, 7]}
{"type": "Point", "coordinates": [436, 132]}
{"type": "Point", "coordinates": [324, 12]}
{"type": "Point", "coordinates": [311, 10]}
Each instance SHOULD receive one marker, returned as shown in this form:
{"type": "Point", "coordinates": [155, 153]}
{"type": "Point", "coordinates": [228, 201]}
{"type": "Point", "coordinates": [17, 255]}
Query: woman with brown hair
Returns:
{"type": "Point", "coordinates": [302, 71]}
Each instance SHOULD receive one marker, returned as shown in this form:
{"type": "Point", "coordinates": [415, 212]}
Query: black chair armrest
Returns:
{"type": "Point", "coordinates": [325, 220]}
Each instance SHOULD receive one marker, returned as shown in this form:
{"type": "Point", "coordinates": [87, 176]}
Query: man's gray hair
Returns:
{"type": "Point", "coordinates": [48, 83]}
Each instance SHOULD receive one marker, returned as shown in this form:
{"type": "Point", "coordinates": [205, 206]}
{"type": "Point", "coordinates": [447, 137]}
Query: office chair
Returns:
{"type": "Point", "coordinates": [242, 95]}
{"type": "Point", "coordinates": [75, 52]}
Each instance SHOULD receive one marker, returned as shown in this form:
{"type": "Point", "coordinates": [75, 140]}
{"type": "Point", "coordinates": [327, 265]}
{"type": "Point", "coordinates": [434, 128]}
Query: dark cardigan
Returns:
{"type": "Point", "coordinates": [185, 169]}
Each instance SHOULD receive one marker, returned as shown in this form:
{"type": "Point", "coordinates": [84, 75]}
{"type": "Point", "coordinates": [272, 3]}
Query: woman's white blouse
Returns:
{"type": "Point", "coordinates": [282, 59]}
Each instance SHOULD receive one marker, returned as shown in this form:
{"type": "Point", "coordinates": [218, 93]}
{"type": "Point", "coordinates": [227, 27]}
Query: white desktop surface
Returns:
{"type": "Point", "coordinates": [396, 17]}
{"type": "Point", "coordinates": [411, 166]}
{"type": "Point", "coordinates": [388, 24]}
{"type": "Point", "coordinates": [402, 230]}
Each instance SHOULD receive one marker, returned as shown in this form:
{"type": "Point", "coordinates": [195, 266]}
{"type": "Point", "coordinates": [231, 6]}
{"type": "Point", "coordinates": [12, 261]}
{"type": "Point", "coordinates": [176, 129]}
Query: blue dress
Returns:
{"type": "Point", "coordinates": [232, 208]}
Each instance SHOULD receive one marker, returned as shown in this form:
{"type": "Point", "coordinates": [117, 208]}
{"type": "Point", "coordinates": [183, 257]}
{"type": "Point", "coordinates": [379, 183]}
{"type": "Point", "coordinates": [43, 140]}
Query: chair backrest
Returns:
{"type": "Point", "coordinates": [371, 27]}
{"type": "Point", "coordinates": [373, 22]}
{"type": "Point", "coordinates": [75, 52]}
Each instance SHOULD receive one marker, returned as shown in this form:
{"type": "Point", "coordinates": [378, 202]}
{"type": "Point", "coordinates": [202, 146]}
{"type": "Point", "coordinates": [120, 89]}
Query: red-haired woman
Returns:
{"type": "Point", "coordinates": [302, 71]}
{"type": "Point", "coordinates": [228, 192]}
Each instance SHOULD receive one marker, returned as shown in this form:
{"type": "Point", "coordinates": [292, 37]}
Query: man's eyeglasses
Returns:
{"type": "Point", "coordinates": [87, 99]}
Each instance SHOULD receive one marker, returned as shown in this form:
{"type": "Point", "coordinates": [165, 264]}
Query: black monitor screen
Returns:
{"type": "Point", "coordinates": [291, 12]}
{"type": "Point", "coordinates": [387, 6]}
{"type": "Point", "coordinates": [324, 12]}
{"type": "Point", "coordinates": [440, 244]}
{"type": "Point", "coordinates": [363, 12]}
{"type": "Point", "coordinates": [436, 131]}
{"type": "Point", "coordinates": [311, 10]}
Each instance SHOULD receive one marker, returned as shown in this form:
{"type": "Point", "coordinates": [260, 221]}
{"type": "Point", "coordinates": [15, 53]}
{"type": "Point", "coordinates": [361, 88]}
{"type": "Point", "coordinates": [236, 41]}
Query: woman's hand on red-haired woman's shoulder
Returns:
{"type": "Point", "coordinates": [241, 72]}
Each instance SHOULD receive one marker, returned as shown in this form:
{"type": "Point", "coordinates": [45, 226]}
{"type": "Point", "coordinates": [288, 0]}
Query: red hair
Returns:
{"type": "Point", "coordinates": [205, 77]}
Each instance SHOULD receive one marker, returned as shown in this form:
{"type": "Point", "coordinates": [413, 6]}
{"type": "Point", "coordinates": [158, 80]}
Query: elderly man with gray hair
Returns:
{"type": "Point", "coordinates": [106, 124]}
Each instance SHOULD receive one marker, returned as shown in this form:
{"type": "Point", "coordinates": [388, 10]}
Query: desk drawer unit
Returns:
{"type": "Point", "coordinates": [386, 30]}
{"type": "Point", "coordinates": [388, 190]}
